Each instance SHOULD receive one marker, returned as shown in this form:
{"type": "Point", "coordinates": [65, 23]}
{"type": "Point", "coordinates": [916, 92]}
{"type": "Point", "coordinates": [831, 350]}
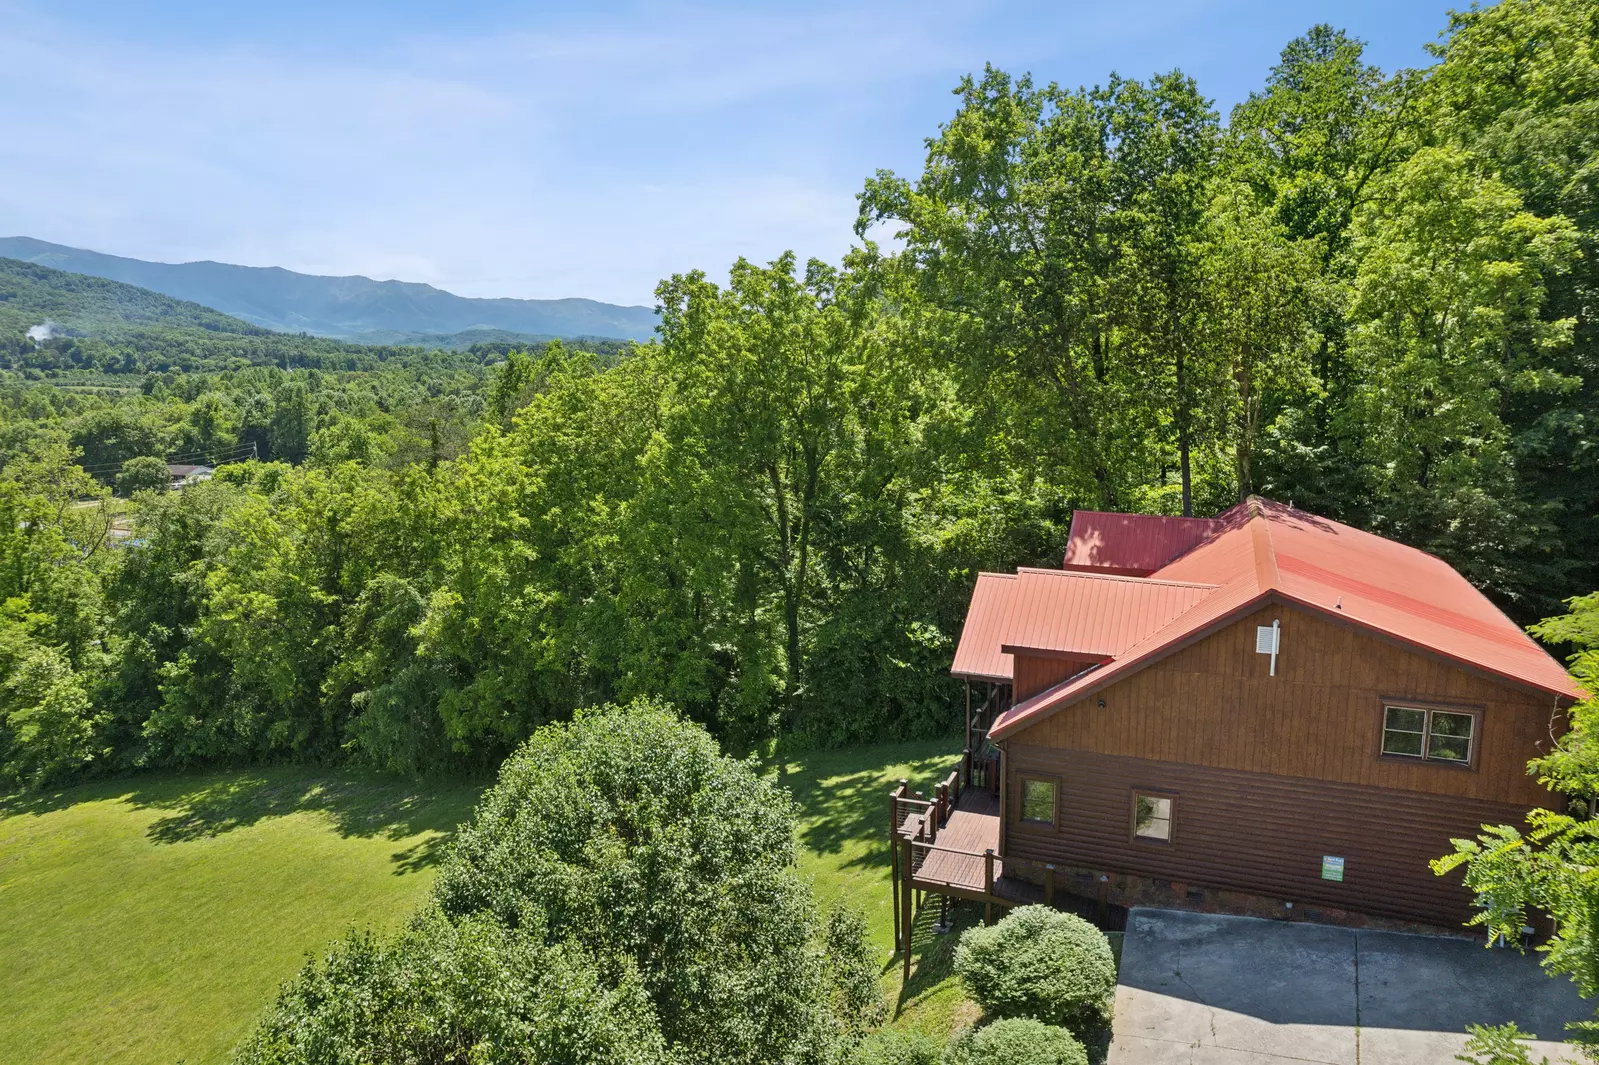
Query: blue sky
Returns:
{"type": "Point", "coordinates": [544, 150]}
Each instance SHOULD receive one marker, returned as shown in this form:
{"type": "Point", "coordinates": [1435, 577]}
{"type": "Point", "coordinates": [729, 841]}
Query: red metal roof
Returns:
{"type": "Point", "coordinates": [1091, 613]}
{"type": "Point", "coordinates": [1264, 550]}
{"type": "Point", "coordinates": [1130, 545]}
{"type": "Point", "coordinates": [978, 653]}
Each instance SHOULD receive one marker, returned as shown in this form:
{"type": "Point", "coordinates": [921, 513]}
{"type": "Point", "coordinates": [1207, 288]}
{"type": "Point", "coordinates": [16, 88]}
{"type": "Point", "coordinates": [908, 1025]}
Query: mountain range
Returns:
{"type": "Point", "coordinates": [355, 308]}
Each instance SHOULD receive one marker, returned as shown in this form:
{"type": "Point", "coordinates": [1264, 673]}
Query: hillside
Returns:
{"type": "Point", "coordinates": [274, 298]}
{"type": "Point", "coordinates": [32, 295]}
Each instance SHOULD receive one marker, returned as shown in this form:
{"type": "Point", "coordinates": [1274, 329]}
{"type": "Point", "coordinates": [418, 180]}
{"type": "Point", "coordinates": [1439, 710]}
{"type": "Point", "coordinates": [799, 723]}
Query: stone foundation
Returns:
{"type": "Point", "coordinates": [1129, 890]}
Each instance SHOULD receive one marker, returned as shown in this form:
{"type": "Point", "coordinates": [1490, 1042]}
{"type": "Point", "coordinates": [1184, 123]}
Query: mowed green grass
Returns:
{"type": "Point", "coordinates": [843, 836]}
{"type": "Point", "coordinates": [150, 920]}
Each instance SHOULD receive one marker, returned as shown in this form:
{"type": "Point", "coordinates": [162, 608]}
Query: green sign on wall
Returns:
{"type": "Point", "coordinates": [1332, 868]}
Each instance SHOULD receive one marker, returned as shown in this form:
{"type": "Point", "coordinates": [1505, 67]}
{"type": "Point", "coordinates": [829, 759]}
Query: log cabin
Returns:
{"type": "Point", "coordinates": [1257, 712]}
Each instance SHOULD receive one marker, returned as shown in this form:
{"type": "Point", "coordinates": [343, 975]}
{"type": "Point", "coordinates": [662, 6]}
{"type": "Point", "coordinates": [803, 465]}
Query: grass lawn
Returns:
{"type": "Point", "coordinates": [149, 920]}
{"type": "Point", "coordinates": [843, 835]}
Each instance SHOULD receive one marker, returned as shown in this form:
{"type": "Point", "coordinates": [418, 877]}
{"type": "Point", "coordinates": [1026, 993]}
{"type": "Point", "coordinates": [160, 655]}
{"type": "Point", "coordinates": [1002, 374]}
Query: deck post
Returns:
{"type": "Point", "coordinates": [968, 714]}
{"type": "Point", "coordinates": [893, 854]}
{"type": "Point", "coordinates": [988, 885]}
{"type": "Point", "coordinates": [905, 911]}
{"type": "Point", "coordinates": [1049, 885]}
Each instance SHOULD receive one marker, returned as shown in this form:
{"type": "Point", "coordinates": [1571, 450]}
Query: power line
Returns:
{"type": "Point", "coordinates": [234, 454]}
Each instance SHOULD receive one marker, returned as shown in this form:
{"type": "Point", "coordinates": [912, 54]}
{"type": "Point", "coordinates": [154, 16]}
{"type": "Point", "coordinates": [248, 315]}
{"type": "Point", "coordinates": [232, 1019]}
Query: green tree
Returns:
{"type": "Point", "coordinates": [147, 473]}
{"type": "Point", "coordinates": [1261, 290]}
{"type": "Point", "coordinates": [1550, 866]}
{"type": "Point", "coordinates": [446, 991]}
{"type": "Point", "coordinates": [1166, 138]}
{"type": "Point", "coordinates": [50, 727]}
{"type": "Point", "coordinates": [1312, 146]}
{"type": "Point", "coordinates": [1517, 88]}
{"type": "Point", "coordinates": [624, 892]}
{"type": "Point", "coordinates": [293, 420]}
{"type": "Point", "coordinates": [108, 437]}
{"type": "Point", "coordinates": [1013, 229]}
{"type": "Point", "coordinates": [1447, 305]}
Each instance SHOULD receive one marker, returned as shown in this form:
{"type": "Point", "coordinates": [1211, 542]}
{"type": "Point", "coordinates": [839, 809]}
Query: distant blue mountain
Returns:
{"type": "Point", "coordinates": [275, 298]}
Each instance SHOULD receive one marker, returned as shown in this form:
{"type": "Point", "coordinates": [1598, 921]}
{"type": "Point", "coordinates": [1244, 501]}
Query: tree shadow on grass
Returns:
{"type": "Point", "coordinates": [933, 953]}
{"type": "Point", "coordinates": [196, 806]}
{"type": "Point", "coordinates": [843, 795]}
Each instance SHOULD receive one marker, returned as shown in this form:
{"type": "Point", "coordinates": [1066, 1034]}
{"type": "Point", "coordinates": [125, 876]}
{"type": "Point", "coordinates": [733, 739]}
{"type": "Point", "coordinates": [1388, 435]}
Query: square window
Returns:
{"type": "Point", "coordinates": [1152, 817]}
{"type": "Point", "coordinates": [1433, 735]}
{"type": "Point", "coordinates": [1038, 800]}
{"type": "Point", "coordinates": [1404, 731]}
{"type": "Point", "coordinates": [1449, 738]}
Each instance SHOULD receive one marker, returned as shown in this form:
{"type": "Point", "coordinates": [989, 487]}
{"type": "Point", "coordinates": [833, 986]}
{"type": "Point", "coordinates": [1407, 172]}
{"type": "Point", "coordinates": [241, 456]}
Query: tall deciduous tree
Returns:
{"type": "Point", "coordinates": [1261, 289]}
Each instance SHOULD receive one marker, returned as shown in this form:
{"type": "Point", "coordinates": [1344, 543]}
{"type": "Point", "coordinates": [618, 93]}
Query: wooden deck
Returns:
{"type": "Point", "coordinates": [949, 845]}
{"type": "Point", "coordinates": [956, 859]}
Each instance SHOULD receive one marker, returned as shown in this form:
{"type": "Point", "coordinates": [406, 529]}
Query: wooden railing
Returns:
{"type": "Point", "coordinates": [963, 868]}
{"type": "Point", "coordinates": [980, 771]}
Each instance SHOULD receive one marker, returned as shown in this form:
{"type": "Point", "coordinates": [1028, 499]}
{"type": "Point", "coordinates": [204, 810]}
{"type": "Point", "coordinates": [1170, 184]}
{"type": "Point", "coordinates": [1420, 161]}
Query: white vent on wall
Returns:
{"type": "Point", "coordinates": [1267, 640]}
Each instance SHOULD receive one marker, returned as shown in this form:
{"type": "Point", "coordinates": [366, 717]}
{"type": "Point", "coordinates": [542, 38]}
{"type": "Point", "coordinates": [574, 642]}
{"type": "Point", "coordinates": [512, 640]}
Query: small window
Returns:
{"type": "Point", "coordinates": [1038, 800]}
{"type": "Point", "coordinates": [1152, 817]}
{"type": "Point", "coordinates": [1433, 735]}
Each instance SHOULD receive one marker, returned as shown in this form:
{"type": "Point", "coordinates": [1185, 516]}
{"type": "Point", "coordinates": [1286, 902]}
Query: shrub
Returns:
{"type": "Point", "coordinates": [1039, 963]}
{"type": "Point", "coordinates": [1016, 1041]}
{"type": "Point", "coordinates": [890, 1047]}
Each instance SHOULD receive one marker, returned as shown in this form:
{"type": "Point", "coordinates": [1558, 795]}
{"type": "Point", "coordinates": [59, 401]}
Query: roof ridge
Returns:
{"type": "Point", "coordinates": [1090, 575]}
{"type": "Point", "coordinates": [1140, 514]}
{"type": "Point", "coordinates": [1266, 573]}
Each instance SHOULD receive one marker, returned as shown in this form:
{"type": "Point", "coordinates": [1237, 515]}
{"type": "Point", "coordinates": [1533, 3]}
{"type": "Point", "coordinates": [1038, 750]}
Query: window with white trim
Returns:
{"type": "Point", "coordinates": [1429, 734]}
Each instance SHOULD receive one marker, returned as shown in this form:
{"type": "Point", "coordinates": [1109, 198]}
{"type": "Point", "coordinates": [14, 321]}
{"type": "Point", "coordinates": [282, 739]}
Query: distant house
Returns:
{"type": "Point", "coordinates": [184, 475]}
{"type": "Point", "coordinates": [1265, 712]}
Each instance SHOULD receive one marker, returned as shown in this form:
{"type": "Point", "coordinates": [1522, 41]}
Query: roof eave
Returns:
{"type": "Point", "coordinates": [995, 677]}
{"type": "Point", "coordinates": [1054, 652]}
{"type": "Point", "coordinates": [1265, 598]}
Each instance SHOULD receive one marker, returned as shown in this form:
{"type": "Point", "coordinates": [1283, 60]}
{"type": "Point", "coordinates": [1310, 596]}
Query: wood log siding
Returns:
{"type": "Point", "coordinates": [1034, 673]}
{"type": "Point", "coordinates": [1255, 833]}
{"type": "Point", "coordinates": [1213, 704]}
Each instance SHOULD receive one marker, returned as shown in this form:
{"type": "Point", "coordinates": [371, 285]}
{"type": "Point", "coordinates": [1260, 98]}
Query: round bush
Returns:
{"type": "Point", "coordinates": [1016, 1041]}
{"type": "Point", "coordinates": [1039, 963]}
{"type": "Point", "coordinates": [890, 1047]}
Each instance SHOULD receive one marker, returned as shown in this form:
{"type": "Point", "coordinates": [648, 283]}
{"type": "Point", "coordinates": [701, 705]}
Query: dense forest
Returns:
{"type": "Point", "coordinates": [1368, 293]}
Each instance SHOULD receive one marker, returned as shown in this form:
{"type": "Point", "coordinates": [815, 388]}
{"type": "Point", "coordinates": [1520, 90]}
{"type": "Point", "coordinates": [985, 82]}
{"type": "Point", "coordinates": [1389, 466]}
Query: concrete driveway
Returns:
{"type": "Point", "coordinates": [1200, 989]}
